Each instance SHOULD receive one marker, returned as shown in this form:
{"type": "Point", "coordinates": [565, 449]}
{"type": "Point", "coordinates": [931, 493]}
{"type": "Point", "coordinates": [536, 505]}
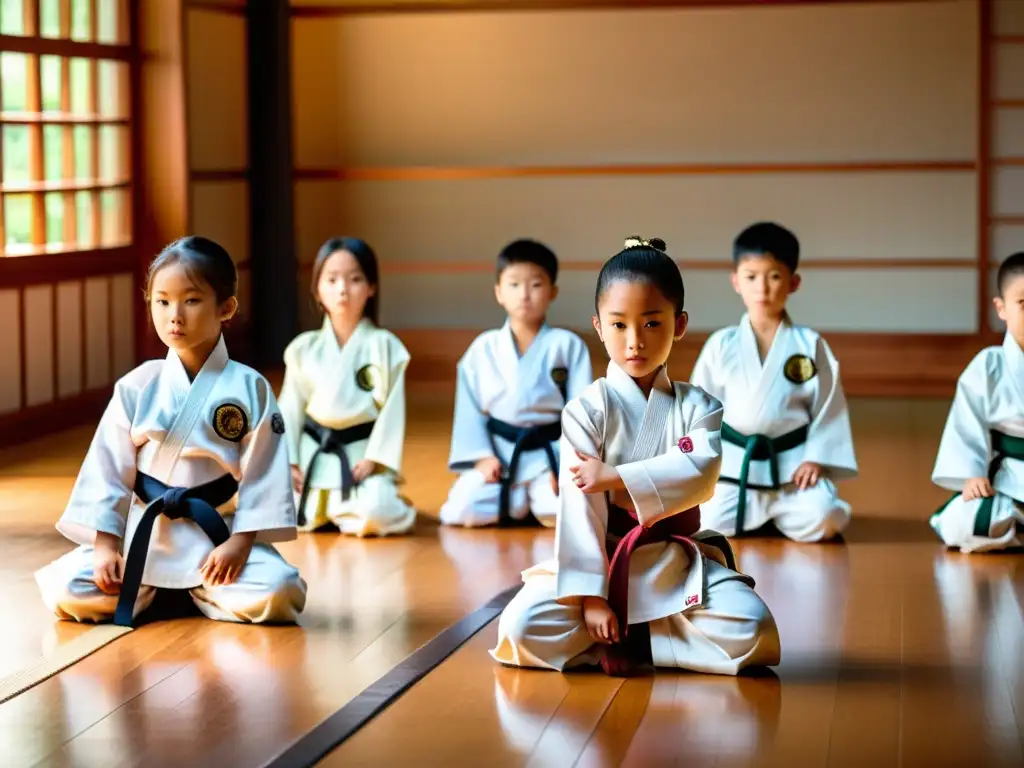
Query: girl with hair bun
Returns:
{"type": "Point", "coordinates": [634, 583]}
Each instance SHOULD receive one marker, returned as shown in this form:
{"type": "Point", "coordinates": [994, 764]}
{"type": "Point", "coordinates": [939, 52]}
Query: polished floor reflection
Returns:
{"type": "Point", "coordinates": [895, 652]}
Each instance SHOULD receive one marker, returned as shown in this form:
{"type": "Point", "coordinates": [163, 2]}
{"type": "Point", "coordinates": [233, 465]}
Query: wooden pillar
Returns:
{"type": "Point", "coordinates": [274, 260]}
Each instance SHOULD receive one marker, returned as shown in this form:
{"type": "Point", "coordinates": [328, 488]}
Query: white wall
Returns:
{"type": "Point", "coordinates": [831, 86]}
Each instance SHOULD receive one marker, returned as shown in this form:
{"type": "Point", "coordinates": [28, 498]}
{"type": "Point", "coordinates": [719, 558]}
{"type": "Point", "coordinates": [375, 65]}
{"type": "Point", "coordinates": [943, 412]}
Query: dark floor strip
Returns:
{"type": "Point", "coordinates": [333, 731]}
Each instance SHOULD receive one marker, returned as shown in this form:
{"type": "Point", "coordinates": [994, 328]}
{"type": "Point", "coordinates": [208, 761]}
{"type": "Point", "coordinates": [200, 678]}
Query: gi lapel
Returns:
{"type": "Point", "coordinates": [190, 411]}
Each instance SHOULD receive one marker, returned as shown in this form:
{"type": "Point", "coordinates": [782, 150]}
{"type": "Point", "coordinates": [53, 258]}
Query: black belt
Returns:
{"type": "Point", "coordinates": [525, 439]}
{"type": "Point", "coordinates": [332, 441]}
{"type": "Point", "coordinates": [758, 448]}
{"type": "Point", "coordinates": [197, 504]}
{"type": "Point", "coordinates": [1003, 447]}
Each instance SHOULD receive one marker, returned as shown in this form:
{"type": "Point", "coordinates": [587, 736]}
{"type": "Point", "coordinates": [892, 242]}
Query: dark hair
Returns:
{"type": "Point", "coordinates": [203, 260]}
{"type": "Point", "coordinates": [365, 258]}
{"type": "Point", "coordinates": [1012, 266]}
{"type": "Point", "coordinates": [644, 261]}
{"type": "Point", "coordinates": [767, 238]}
{"type": "Point", "coordinates": [528, 252]}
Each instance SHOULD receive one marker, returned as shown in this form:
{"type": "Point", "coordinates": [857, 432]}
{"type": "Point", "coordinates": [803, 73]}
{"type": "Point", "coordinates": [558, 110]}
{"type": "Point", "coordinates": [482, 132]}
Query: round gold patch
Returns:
{"type": "Point", "coordinates": [799, 369]}
{"type": "Point", "coordinates": [368, 377]}
{"type": "Point", "coordinates": [230, 422]}
{"type": "Point", "coordinates": [560, 375]}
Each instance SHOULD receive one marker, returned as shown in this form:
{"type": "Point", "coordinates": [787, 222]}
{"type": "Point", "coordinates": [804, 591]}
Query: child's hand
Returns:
{"type": "Point", "coordinates": [600, 620]}
{"type": "Point", "coordinates": [223, 565]}
{"type": "Point", "coordinates": [296, 479]}
{"type": "Point", "coordinates": [363, 469]}
{"type": "Point", "coordinates": [490, 468]}
{"type": "Point", "coordinates": [977, 488]}
{"type": "Point", "coordinates": [807, 475]}
{"type": "Point", "coordinates": [107, 563]}
{"type": "Point", "coordinates": [594, 476]}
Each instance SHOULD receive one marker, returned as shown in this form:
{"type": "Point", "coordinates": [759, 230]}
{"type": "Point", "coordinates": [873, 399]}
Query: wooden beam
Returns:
{"type": "Point", "coordinates": [273, 259]}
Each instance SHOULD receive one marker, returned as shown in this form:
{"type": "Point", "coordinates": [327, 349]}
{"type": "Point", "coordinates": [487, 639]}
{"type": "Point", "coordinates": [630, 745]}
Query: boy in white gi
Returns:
{"type": "Point", "coordinates": [981, 455]}
{"type": "Point", "coordinates": [186, 482]}
{"type": "Point", "coordinates": [786, 436]}
{"type": "Point", "coordinates": [633, 584]}
{"type": "Point", "coordinates": [512, 384]}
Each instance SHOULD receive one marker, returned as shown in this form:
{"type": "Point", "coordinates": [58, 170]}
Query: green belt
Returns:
{"type": "Point", "coordinates": [1003, 447]}
{"type": "Point", "coordinates": [758, 448]}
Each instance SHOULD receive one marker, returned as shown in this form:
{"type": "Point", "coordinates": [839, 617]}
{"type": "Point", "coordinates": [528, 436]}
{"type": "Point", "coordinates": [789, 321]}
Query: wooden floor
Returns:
{"type": "Point", "coordinates": [895, 652]}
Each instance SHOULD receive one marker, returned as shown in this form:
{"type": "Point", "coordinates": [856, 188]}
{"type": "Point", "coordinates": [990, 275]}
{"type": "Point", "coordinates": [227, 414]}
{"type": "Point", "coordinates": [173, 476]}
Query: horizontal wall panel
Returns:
{"type": "Point", "coordinates": [124, 298]}
{"type": "Point", "coordinates": [39, 344]}
{"type": "Point", "coordinates": [69, 338]}
{"type": "Point", "coordinates": [883, 301]}
{"type": "Point", "coordinates": [10, 351]}
{"type": "Point", "coordinates": [1008, 71]}
{"type": "Point", "coordinates": [836, 216]}
{"type": "Point", "coordinates": [1006, 239]}
{"type": "Point", "coordinates": [218, 110]}
{"type": "Point", "coordinates": [220, 211]}
{"type": "Point", "coordinates": [97, 332]}
{"type": "Point", "coordinates": [1008, 17]}
{"type": "Point", "coordinates": [1008, 191]}
{"type": "Point", "coordinates": [1008, 132]}
{"type": "Point", "coordinates": [737, 85]}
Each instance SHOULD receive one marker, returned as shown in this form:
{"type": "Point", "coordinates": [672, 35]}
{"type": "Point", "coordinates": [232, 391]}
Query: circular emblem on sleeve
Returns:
{"type": "Point", "coordinates": [368, 377]}
{"type": "Point", "coordinates": [685, 444]}
{"type": "Point", "coordinates": [799, 369]}
{"type": "Point", "coordinates": [230, 422]}
{"type": "Point", "coordinates": [559, 375]}
{"type": "Point", "coordinates": [277, 424]}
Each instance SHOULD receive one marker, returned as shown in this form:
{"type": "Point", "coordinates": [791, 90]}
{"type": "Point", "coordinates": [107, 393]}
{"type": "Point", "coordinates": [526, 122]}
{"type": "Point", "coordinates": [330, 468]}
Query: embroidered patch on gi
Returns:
{"type": "Point", "coordinates": [799, 369]}
{"type": "Point", "coordinates": [559, 375]}
{"type": "Point", "coordinates": [685, 444]}
{"type": "Point", "coordinates": [367, 378]}
{"type": "Point", "coordinates": [691, 600]}
{"type": "Point", "coordinates": [230, 422]}
{"type": "Point", "coordinates": [277, 424]}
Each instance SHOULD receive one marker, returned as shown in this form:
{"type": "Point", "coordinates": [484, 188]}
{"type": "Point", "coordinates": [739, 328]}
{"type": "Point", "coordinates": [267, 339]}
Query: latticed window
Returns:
{"type": "Point", "coordinates": [64, 118]}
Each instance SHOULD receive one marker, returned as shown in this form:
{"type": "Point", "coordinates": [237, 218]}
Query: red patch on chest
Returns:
{"type": "Point", "coordinates": [685, 444]}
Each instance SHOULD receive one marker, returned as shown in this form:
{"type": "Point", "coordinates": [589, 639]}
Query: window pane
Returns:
{"type": "Point", "coordinates": [113, 86]}
{"type": "Point", "coordinates": [49, 74]}
{"type": "Point", "coordinates": [53, 152]}
{"type": "Point", "coordinates": [113, 152]}
{"type": "Point", "coordinates": [17, 221]}
{"type": "Point", "coordinates": [114, 207]}
{"type": "Point", "coordinates": [83, 152]}
{"type": "Point", "coordinates": [12, 17]}
{"type": "Point", "coordinates": [83, 210]}
{"type": "Point", "coordinates": [112, 21]}
{"type": "Point", "coordinates": [13, 68]}
{"type": "Point", "coordinates": [80, 20]}
{"type": "Point", "coordinates": [81, 87]}
{"type": "Point", "coordinates": [49, 18]}
{"type": "Point", "coordinates": [16, 145]}
{"type": "Point", "coordinates": [54, 217]}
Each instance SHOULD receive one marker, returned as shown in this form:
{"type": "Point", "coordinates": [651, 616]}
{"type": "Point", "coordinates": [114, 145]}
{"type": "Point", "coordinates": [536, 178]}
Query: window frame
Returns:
{"type": "Point", "coordinates": [93, 259]}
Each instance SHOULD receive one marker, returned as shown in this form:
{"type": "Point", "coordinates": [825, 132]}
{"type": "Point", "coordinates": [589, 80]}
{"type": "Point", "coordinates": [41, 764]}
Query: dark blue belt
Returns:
{"type": "Point", "coordinates": [333, 442]}
{"type": "Point", "coordinates": [524, 439]}
{"type": "Point", "coordinates": [198, 504]}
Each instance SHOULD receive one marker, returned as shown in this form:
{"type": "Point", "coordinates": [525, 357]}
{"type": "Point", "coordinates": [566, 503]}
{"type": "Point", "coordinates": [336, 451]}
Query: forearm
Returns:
{"type": "Point", "coordinates": [107, 541]}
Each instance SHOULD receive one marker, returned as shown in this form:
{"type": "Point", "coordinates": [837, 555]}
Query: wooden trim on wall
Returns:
{"type": "Point", "coordinates": [985, 109]}
{"type": "Point", "coordinates": [872, 364]}
{"type": "Point", "coordinates": [215, 7]}
{"type": "Point", "coordinates": [485, 6]}
{"type": "Point", "coordinates": [58, 267]}
{"type": "Point", "coordinates": [463, 173]}
{"type": "Point", "coordinates": [44, 419]}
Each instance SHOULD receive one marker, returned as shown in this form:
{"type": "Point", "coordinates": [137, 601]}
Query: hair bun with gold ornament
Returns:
{"type": "Point", "coordinates": [635, 241]}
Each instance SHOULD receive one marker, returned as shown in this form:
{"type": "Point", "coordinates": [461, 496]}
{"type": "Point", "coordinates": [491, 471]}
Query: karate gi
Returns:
{"type": "Point", "coordinates": [793, 408]}
{"type": "Point", "coordinates": [162, 431]}
{"type": "Point", "coordinates": [499, 397]}
{"type": "Point", "coordinates": [984, 437]}
{"type": "Point", "coordinates": [343, 404]}
{"type": "Point", "coordinates": [701, 615]}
